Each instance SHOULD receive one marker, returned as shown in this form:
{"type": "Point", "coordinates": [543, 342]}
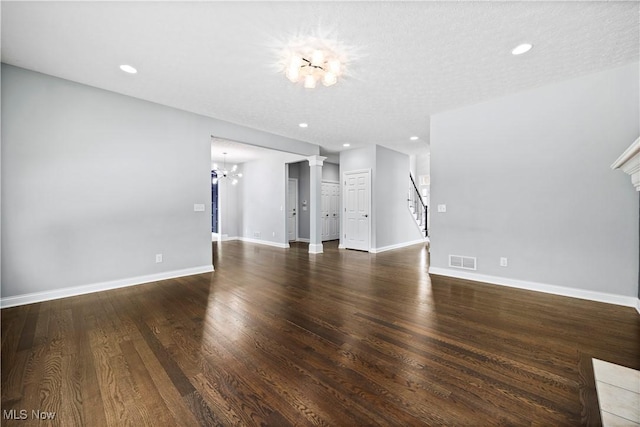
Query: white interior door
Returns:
{"type": "Point", "coordinates": [292, 209]}
{"type": "Point", "coordinates": [357, 203]}
{"type": "Point", "coordinates": [334, 211]}
{"type": "Point", "coordinates": [325, 204]}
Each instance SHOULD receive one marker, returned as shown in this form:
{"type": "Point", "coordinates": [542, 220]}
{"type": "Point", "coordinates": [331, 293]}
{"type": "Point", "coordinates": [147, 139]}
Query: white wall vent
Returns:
{"type": "Point", "coordinates": [465, 262]}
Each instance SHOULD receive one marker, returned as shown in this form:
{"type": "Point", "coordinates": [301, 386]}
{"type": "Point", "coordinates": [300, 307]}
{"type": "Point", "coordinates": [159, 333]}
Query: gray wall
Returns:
{"type": "Point", "coordinates": [229, 207]}
{"type": "Point", "coordinates": [94, 184]}
{"type": "Point", "coordinates": [394, 222]}
{"type": "Point", "coordinates": [330, 172]}
{"type": "Point", "coordinates": [527, 177]}
{"type": "Point", "coordinates": [263, 199]}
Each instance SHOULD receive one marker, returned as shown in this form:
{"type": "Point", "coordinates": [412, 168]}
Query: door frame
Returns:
{"type": "Point", "coordinates": [343, 208]}
{"type": "Point", "coordinates": [297, 219]}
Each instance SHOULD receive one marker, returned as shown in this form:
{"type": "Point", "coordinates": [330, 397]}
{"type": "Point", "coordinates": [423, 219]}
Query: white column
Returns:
{"type": "Point", "coordinates": [315, 204]}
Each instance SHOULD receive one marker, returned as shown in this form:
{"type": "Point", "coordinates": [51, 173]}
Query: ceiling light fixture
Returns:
{"type": "Point", "coordinates": [522, 48]}
{"type": "Point", "coordinates": [414, 138]}
{"type": "Point", "coordinates": [346, 145]}
{"type": "Point", "coordinates": [313, 60]}
{"type": "Point", "coordinates": [128, 69]}
{"type": "Point", "coordinates": [223, 172]}
{"type": "Point", "coordinates": [303, 125]}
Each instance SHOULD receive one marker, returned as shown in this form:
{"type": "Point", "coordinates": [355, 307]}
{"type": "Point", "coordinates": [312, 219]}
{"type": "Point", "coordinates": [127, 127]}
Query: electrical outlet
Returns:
{"type": "Point", "coordinates": [503, 262]}
{"type": "Point", "coordinates": [158, 257]}
{"type": "Point", "coordinates": [442, 208]}
{"type": "Point", "coordinates": [273, 234]}
{"type": "Point", "coordinates": [256, 234]}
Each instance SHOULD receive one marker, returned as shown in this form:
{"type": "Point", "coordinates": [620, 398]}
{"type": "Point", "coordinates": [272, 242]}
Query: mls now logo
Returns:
{"type": "Point", "coordinates": [23, 414]}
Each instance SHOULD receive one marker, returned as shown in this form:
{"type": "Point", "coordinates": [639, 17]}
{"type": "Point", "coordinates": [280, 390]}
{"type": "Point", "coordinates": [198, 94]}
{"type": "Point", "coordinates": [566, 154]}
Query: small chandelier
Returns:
{"type": "Point", "coordinates": [223, 172]}
{"type": "Point", "coordinates": [314, 62]}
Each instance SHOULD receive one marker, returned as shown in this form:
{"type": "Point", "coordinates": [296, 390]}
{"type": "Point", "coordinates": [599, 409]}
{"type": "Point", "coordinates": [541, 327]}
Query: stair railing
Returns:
{"type": "Point", "coordinates": [417, 205]}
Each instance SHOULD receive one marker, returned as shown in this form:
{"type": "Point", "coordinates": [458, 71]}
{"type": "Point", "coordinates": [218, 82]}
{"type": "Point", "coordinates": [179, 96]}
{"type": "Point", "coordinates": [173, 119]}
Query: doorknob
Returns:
{"type": "Point", "coordinates": [294, 214]}
{"type": "Point", "coordinates": [327, 215]}
{"type": "Point", "coordinates": [366, 215]}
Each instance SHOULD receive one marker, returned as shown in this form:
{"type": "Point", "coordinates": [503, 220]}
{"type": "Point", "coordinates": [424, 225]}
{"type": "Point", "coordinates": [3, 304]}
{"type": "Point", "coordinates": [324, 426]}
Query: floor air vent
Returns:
{"type": "Point", "coordinates": [465, 262]}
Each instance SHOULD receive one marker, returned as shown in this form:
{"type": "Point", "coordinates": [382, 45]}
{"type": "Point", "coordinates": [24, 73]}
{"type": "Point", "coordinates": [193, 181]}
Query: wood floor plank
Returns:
{"type": "Point", "coordinates": [281, 337]}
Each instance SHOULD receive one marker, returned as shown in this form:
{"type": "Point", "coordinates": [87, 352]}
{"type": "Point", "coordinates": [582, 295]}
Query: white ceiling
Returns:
{"type": "Point", "coordinates": [407, 60]}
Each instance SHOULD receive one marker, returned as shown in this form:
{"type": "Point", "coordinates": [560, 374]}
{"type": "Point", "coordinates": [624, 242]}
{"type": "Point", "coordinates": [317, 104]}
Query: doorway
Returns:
{"type": "Point", "coordinates": [357, 203]}
{"type": "Point", "coordinates": [292, 209]}
{"type": "Point", "coordinates": [214, 202]}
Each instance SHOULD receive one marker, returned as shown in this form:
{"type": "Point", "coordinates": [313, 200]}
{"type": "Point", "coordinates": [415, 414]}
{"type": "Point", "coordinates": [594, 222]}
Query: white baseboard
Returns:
{"type": "Point", "coordinates": [264, 242]}
{"type": "Point", "coordinates": [102, 286]}
{"type": "Point", "coordinates": [638, 305]}
{"type": "Point", "coordinates": [539, 287]}
{"type": "Point", "coordinates": [316, 248]}
{"type": "Point", "coordinates": [303, 240]}
{"type": "Point", "coordinates": [397, 246]}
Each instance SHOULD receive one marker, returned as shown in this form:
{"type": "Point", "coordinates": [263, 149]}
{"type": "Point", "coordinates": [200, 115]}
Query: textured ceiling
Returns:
{"type": "Point", "coordinates": [407, 60]}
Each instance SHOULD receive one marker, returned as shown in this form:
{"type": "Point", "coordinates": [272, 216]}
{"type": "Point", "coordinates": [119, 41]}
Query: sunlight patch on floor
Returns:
{"type": "Point", "coordinates": [618, 390]}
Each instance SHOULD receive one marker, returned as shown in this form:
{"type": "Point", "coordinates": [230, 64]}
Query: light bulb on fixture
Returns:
{"type": "Point", "coordinates": [329, 79]}
{"type": "Point", "coordinates": [293, 71]}
{"type": "Point", "coordinates": [312, 61]}
{"type": "Point", "coordinates": [310, 81]}
{"type": "Point", "coordinates": [293, 74]}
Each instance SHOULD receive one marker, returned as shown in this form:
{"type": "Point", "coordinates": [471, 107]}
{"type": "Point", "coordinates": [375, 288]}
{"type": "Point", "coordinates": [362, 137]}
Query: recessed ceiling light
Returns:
{"type": "Point", "coordinates": [128, 69]}
{"type": "Point", "coordinates": [303, 125]}
{"type": "Point", "coordinates": [346, 145]}
{"type": "Point", "coordinates": [414, 138]}
{"type": "Point", "coordinates": [523, 48]}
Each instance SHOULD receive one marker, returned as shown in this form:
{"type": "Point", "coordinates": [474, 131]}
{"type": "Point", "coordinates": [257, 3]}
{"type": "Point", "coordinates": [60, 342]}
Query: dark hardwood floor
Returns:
{"type": "Point", "coordinates": [280, 337]}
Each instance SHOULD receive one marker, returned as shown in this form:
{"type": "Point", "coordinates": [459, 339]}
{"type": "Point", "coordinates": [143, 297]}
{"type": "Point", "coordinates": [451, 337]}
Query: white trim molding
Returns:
{"type": "Point", "coordinates": [264, 242]}
{"type": "Point", "coordinates": [397, 246]}
{"type": "Point", "coordinates": [303, 240]}
{"type": "Point", "coordinates": [316, 248]}
{"type": "Point", "coordinates": [98, 287]}
{"type": "Point", "coordinates": [538, 287]}
{"type": "Point", "coordinates": [316, 160]}
{"type": "Point", "coordinates": [629, 162]}
{"type": "Point", "coordinates": [638, 305]}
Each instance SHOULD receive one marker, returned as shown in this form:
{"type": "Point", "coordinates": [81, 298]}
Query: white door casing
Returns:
{"type": "Point", "coordinates": [357, 207]}
{"type": "Point", "coordinates": [292, 209]}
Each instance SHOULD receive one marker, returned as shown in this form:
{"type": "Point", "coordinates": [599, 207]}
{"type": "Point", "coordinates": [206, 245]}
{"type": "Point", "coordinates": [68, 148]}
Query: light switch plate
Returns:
{"type": "Point", "coordinates": [442, 208]}
{"type": "Point", "coordinates": [198, 207]}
